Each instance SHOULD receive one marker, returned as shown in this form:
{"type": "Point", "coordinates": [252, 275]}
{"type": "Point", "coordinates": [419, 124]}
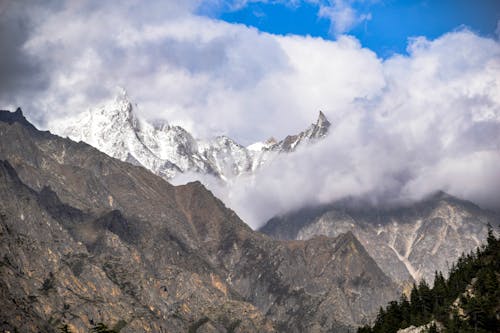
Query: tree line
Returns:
{"type": "Point", "coordinates": [467, 301]}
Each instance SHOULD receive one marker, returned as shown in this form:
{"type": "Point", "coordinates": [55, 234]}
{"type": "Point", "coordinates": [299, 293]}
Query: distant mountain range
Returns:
{"type": "Point", "coordinates": [409, 243]}
{"type": "Point", "coordinates": [467, 301]}
{"type": "Point", "coordinates": [168, 150]}
{"type": "Point", "coordinates": [86, 238]}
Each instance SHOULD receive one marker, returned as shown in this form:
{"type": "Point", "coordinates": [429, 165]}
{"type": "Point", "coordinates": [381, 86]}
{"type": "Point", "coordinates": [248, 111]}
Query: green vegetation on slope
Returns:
{"type": "Point", "coordinates": [468, 301]}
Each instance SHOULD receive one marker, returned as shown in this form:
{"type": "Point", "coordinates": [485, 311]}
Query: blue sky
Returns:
{"type": "Point", "coordinates": [383, 26]}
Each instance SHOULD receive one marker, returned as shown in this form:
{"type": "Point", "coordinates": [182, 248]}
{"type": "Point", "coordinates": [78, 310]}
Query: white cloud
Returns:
{"type": "Point", "coordinates": [402, 127]}
{"type": "Point", "coordinates": [431, 122]}
{"type": "Point", "coordinates": [243, 80]}
{"type": "Point", "coordinates": [341, 15]}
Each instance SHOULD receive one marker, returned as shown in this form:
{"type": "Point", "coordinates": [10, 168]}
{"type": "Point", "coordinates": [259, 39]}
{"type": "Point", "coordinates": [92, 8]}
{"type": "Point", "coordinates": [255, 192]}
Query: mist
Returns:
{"type": "Point", "coordinates": [435, 126]}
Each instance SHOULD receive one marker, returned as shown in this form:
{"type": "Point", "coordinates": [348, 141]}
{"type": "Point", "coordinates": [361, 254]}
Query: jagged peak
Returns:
{"type": "Point", "coordinates": [122, 101]}
{"type": "Point", "coordinates": [122, 96]}
{"type": "Point", "coordinates": [15, 117]}
{"type": "Point", "coordinates": [12, 116]}
{"type": "Point", "coordinates": [322, 120]}
{"type": "Point", "coordinates": [119, 104]}
{"type": "Point", "coordinates": [118, 109]}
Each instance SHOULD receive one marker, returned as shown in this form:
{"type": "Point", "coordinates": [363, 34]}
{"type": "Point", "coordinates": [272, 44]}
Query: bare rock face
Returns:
{"type": "Point", "coordinates": [60, 265]}
{"type": "Point", "coordinates": [408, 244]}
{"type": "Point", "coordinates": [86, 238]}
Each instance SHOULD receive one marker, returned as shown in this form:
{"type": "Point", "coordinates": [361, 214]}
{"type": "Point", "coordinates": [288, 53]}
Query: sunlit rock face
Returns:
{"type": "Point", "coordinates": [408, 243]}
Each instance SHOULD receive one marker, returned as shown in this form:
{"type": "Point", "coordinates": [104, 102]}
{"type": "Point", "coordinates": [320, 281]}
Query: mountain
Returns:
{"type": "Point", "coordinates": [86, 238]}
{"type": "Point", "coordinates": [315, 132]}
{"type": "Point", "coordinates": [169, 150]}
{"type": "Point", "coordinates": [467, 301]}
{"type": "Point", "coordinates": [408, 243]}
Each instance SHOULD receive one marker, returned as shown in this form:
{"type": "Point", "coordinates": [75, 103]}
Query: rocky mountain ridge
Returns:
{"type": "Point", "coordinates": [86, 238]}
{"type": "Point", "coordinates": [408, 243]}
{"type": "Point", "coordinates": [168, 150]}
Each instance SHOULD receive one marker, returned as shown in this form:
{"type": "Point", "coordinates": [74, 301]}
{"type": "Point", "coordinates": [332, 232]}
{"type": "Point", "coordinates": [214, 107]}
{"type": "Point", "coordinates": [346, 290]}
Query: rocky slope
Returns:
{"type": "Point", "coordinates": [408, 243]}
{"type": "Point", "coordinates": [86, 238]}
{"type": "Point", "coordinates": [169, 150]}
{"type": "Point", "coordinates": [467, 301]}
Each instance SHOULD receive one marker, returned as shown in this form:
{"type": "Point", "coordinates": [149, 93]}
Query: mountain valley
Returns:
{"type": "Point", "coordinates": [408, 243]}
{"type": "Point", "coordinates": [87, 238]}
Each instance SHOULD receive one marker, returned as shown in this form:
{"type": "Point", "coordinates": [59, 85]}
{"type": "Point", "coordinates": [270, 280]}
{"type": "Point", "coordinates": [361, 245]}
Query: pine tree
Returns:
{"type": "Point", "coordinates": [405, 311]}
{"type": "Point", "coordinates": [479, 270]}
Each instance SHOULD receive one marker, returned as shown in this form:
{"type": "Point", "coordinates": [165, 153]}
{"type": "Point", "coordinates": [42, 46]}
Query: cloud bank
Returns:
{"type": "Point", "coordinates": [402, 127]}
{"type": "Point", "coordinates": [425, 122]}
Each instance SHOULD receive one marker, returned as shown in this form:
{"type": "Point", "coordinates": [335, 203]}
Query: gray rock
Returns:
{"type": "Point", "coordinates": [408, 243]}
{"type": "Point", "coordinates": [87, 238]}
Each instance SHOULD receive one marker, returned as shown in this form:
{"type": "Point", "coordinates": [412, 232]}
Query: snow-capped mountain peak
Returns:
{"type": "Point", "coordinates": [316, 131]}
{"type": "Point", "coordinates": [120, 109]}
{"type": "Point", "coordinates": [122, 101]}
{"type": "Point", "coordinates": [321, 127]}
{"type": "Point", "coordinates": [168, 150]}
{"type": "Point", "coordinates": [111, 127]}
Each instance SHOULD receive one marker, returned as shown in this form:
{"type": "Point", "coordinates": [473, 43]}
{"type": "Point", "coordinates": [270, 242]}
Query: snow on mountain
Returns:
{"type": "Point", "coordinates": [315, 132]}
{"type": "Point", "coordinates": [118, 132]}
{"type": "Point", "coordinates": [408, 244]}
{"type": "Point", "coordinates": [257, 146]}
{"type": "Point", "coordinates": [170, 150]}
